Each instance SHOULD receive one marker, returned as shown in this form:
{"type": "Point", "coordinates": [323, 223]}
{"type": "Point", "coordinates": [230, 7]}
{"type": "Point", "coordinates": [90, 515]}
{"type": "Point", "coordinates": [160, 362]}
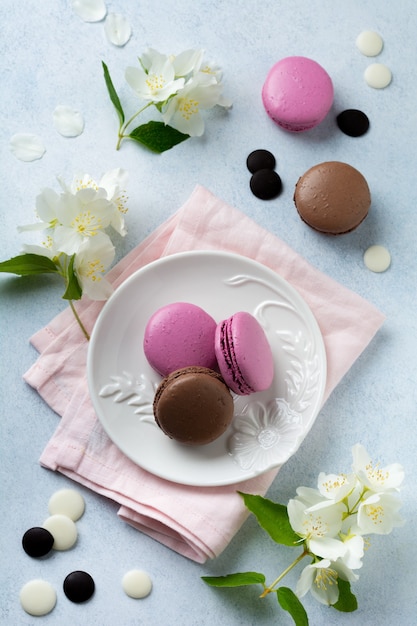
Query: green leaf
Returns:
{"type": "Point", "coordinates": [239, 579]}
{"type": "Point", "coordinates": [112, 93]}
{"type": "Point", "coordinates": [73, 290]}
{"type": "Point", "coordinates": [289, 602]}
{"type": "Point", "coordinates": [157, 136]}
{"type": "Point", "coordinates": [28, 264]}
{"type": "Point", "coordinates": [347, 601]}
{"type": "Point", "coordinates": [273, 518]}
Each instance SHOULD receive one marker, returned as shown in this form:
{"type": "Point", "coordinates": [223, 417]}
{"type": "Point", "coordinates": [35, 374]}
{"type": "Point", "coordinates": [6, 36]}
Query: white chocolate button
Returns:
{"type": "Point", "coordinates": [378, 75]}
{"type": "Point", "coordinates": [137, 584]}
{"type": "Point", "coordinates": [377, 258]}
{"type": "Point", "coordinates": [67, 502]}
{"type": "Point", "coordinates": [63, 531]}
{"type": "Point", "coordinates": [37, 597]}
{"type": "Point", "coordinates": [369, 43]}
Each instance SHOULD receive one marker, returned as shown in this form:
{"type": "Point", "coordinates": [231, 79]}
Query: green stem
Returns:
{"type": "Point", "coordinates": [283, 574]}
{"type": "Point", "coordinates": [124, 126]}
{"type": "Point", "coordinates": [77, 317]}
{"type": "Point", "coordinates": [352, 511]}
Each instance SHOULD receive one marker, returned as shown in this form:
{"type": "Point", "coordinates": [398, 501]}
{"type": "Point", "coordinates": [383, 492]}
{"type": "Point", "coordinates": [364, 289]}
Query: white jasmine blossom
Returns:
{"type": "Point", "coordinates": [76, 244]}
{"type": "Point", "coordinates": [91, 261]}
{"type": "Point", "coordinates": [378, 514]}
{"type": "Point", "coordinates": [371, 475]}
{"type": "Point", "coordinates": [183, 110]}
{"type": "Point", "coordinates": [320, 578]}
{"type": "Point", "coordinates": [336, 487]}
{"type": "Point", "coordinates": [318, 528]}
{"type": "Point", "coordinates": [155, 79]}
{"type": "Point", "coordinates": [81, 215]}
{"type": "Point", "coordinates": [180, 86]}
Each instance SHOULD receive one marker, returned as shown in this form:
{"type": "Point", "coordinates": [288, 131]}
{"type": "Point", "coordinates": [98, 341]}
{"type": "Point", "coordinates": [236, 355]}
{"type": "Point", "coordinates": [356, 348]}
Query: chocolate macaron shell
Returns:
{"type": "Point", "coordinates": [332, 197]}
{"type": "Point", "coordinates": [193, 406]}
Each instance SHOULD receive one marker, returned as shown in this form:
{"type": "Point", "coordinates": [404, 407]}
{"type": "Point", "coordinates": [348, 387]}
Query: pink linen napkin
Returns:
{"type": "Point", "coordinates": [196, 522]}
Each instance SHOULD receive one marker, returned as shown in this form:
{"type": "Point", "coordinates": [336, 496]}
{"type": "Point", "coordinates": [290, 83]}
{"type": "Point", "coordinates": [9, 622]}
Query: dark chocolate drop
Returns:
{"type": "Point", "coordinates": [353, 122]}
{"type": "Point", "coordinates": [260, 160]}
{"type": "Point", "coordinates": [37, 541]}
{"type": "Point", "coordinates": [79, 586]}
{"type": "Point", "coordinates": [266, 184]}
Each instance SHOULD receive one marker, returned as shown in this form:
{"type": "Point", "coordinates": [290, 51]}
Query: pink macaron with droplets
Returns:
{"type": "Point", "coordinates": [243, 354]}
{"type": "Point", "coordinates": [297, 93]}
{"type": "Point", "coordinates": [178, 335]}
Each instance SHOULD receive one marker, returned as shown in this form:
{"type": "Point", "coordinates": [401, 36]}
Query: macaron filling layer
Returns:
{"type": "Point", "coordinates": [229, 355]}
{"type": "Point", "coordinates": [244, 355]}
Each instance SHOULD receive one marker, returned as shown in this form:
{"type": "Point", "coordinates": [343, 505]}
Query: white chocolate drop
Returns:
{"type": "Point", "coordinates": [377, 258]}
{"type": "Point", "coordinates": [378, 75]}
{"type": "Point", "coordinates": [63, 530]}
{"type": "Point", "coordinates": [37, 597]}
{"type": "Point", "coordinates": [137, 584]}
{"type": "Point", "coordinates": [67, 502]}
{"type": "Point", "coordinates": [369, 43]}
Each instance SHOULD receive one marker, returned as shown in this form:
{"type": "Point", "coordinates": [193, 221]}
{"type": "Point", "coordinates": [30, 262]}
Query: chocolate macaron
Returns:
{"type": "Point", "coordinates": [193, 405]}
{"type": "Point", "coordinates": [332, 197]}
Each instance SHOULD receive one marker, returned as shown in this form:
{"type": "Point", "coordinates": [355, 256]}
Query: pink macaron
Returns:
{"type": "Point", "coordinates": [243, 354]}
{"type": "Point", "coordinates": [178, 335]}
{"type": "Point", "coordinates": [297, 93]}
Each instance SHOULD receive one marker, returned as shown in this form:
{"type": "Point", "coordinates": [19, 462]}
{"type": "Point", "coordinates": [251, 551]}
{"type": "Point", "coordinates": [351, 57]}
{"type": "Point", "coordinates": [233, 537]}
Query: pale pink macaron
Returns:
{"type": "Point", "coordinates": [297, 93]}
{"type": "Point", "coordinates": [243, 354]}
{"type": "Point", "coordinates": [178, 335]}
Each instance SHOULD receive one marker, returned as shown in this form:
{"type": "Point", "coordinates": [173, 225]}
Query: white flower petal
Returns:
{"type": "Point", "coordinates": [372, 475]}
{"type": "Point", "coordinates": [89, 10]}
{"type": "Point", "coordinates": [67, 121]}
{"type": "Point", "coordinates": [27, 147]}
{"type": "Point", "coordinates": [328, 548]}
{"type": "Point", "coordinates": [117, 29]}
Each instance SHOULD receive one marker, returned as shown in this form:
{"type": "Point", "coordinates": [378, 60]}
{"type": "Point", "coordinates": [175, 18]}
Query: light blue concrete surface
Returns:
{"type": "Point", "coordinates": [50, 57]}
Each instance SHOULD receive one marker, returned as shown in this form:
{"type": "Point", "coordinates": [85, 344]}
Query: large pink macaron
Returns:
{"type": "Point", "coordinates": [244, 354]}
{"type": "Point", "coordinates": [178, 335]}
{"type": "Point", "coordinates": [297, 93]}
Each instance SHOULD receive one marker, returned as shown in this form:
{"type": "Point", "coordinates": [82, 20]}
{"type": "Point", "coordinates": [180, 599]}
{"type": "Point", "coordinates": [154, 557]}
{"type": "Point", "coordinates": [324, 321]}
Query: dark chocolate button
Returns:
{"type": "Point", "coordinates": [37, 541]}
{"type": "Point", "coordinates": [260, 160]}
{"type": "Point", "coordinates": [265, 184]}
{"type": "Point", "coordinates": [353, 122]}
{"type": "Point", "coordinates": [79, 586]}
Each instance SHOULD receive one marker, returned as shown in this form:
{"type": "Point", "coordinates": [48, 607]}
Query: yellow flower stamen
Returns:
{"type": "Point", "coordinates": [340, 481]}
{"type": "Point", "coordinates": [95, 268]}
{"type": "Point", "coordinates": [315, 527]}
{"type": "Point", "coordinates": [375, 513]}
{"type": "Point", "coordinates": [155, 82]}
{"type": "Point", "coordinates": [86, 224]}
{"type": "Point", "coordinates": [188, 107]}
{"type": "Point", "coordinates": [324, 578]}
{"type": "Point", "coordinates": [375, 473]}
{"type": "Point", "coordinates": [89, 184]}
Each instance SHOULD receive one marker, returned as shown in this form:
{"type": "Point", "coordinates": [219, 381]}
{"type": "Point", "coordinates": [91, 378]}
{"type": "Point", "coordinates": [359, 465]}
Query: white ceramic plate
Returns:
{"type": "Point", "coordinates": [268, 427]}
